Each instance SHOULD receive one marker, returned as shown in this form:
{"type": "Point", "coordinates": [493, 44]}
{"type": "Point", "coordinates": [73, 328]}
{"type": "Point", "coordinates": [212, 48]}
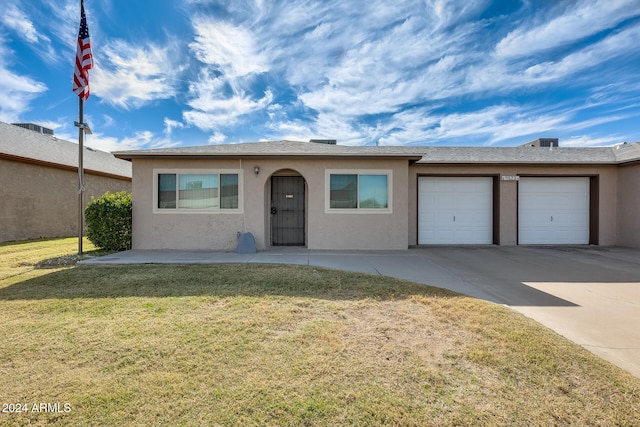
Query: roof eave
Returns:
{"type": "Point", "coordinates": [130, 156]}
{"type": "Point", "coordinates": [63, 166]}
{"type": "Point", "coordinates": [498, 162]}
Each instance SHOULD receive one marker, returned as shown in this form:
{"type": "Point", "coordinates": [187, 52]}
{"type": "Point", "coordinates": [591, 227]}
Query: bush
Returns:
{"type": "Point", "coordinates": [108, 221]}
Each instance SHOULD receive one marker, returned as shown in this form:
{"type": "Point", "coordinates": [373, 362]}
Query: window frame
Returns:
{"type": "Point", "coordinates": [210, 171]}
{"type": "Point", "coordinates": [358, 210]}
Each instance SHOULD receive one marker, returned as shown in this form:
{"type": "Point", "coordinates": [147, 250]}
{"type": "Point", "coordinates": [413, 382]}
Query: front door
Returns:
{"type": "Point", "coordinates": [287, 211]}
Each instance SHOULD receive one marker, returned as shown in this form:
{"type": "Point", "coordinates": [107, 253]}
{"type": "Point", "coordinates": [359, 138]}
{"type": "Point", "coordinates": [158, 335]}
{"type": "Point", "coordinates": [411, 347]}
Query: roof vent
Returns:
{"type": "Point", "coordinates": [543, 142]}
{"type": "Point", "coordinates": [36, 128]}
{"type": "Point", "coordinates": [324, 141]}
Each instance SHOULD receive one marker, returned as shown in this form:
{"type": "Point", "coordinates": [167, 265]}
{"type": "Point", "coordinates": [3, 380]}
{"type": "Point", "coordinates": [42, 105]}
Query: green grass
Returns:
{"type": "Point", "coordinates": [280, 345]}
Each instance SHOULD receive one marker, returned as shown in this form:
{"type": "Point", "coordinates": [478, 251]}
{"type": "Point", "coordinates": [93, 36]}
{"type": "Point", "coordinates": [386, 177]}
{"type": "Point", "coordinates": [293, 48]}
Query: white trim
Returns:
{"type": "Point", "coordinates": [327, 189]}
{"type": "Point", "coordinates": [217, 211]}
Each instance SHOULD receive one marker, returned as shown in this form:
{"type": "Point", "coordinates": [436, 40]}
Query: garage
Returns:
{"type": "Point", "coordinates": [553, 211]}
{"type": "Point", "coordinates": [455, 210]}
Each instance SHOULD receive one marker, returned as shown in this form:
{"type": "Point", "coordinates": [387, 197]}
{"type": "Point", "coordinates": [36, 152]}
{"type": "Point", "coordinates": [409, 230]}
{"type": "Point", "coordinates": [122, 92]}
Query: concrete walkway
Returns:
{"type": "Point", "coordinates": [590, 295]}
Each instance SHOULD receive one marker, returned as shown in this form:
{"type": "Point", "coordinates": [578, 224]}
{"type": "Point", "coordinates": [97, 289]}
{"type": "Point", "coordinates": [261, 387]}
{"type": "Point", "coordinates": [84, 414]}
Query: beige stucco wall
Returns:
{"type": "Point", "coordinates": [333, 230]}
{"type": "Point", "coordinates": [508, 198]}
{"type": "Point", "coordinates": [39, 201]}
{"type": "Point", "coordinates": [339, 230]}
{"type": "Point", "coordinates": [218, 231]}
{"type": "Point", "coordinates": [629, 205]}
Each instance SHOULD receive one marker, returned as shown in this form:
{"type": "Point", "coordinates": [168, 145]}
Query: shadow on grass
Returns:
{"type": "Point", "coordinates": [221, 280]}
{"type": "Point", "coordinates": [70, 260]}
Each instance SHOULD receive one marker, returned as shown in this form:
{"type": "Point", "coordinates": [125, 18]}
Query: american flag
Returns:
{"type": "Point", "coordinates": [84, 58]}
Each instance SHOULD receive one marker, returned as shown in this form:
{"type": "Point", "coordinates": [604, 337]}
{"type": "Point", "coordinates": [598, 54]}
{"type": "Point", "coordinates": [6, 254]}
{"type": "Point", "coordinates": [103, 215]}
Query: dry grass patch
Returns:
{"type": "Point", "coordinates": [287, 345]}
{"type": "Point", "coordinates": [21, 258]}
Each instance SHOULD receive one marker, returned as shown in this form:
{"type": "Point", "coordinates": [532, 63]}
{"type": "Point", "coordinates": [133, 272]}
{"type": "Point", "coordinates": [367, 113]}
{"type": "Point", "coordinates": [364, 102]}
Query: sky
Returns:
{"type": "Point", "coordinates": [407, 72]}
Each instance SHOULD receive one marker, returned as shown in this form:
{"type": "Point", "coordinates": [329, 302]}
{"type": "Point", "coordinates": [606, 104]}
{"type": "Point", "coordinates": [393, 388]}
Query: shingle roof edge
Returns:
{"type": "Point", "coordinates": [19, 144]}
{"type": "Point", "coordinates": [421, 154]}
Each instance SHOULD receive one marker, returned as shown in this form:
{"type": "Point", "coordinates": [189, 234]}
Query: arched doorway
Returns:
{"type": "Point", "coordinates": [287, 210]}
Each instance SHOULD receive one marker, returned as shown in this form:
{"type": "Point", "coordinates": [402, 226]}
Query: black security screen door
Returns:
{"type": "Point", "coordinates": [287, 211]}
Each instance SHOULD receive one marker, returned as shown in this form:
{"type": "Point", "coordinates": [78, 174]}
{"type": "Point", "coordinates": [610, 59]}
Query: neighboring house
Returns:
{"type": "Point", "coordinates": [39, 183]}
{"type": "Point", "coordinates": [325, 196]}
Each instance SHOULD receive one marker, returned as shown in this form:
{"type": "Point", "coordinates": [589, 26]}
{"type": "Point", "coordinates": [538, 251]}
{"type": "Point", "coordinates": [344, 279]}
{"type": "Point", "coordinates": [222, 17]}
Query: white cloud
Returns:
{"type": "Point", "coordinates": [134, 75]}
{"type": "Point", "coordinates": [374, 57]}
{"type": "Point", "coordinates": [448, 13]}
{"type": "Point", "coordinates": [62, 19]}
{"type": "Point", "coordinates": [19, 22]}
{"type": "Point", "coordinates": [490, 125]}
{"type": "Point", "coordinates": [589, 141]}
{"type": "Point", "coordinates": [291, 130]}
{"type": "Point", "coordinates": [355, 59]}
{"type": "Point", "coordinates": [222, 95]}
{"type": "Point", "coordinates": [217, 138]}
{"type": "Point", "coordinates": [577, 22]}
{"type": "Point", "coordinates": [578, 125]}
{"type": "Point", "coordinates": [348, 132]}
{"type": "Point", "coordinates": [213, 110]}
{"type": "Point", "coordinates": [500, 75]}
{"type": "Point", "coordinates": [108, 120]}
{"type": "Point", "coordinates": [99, 141]}
{"type": "Point", "coordinates": [360, 72]}
{"type": "Point", "coordinates": [15, 19]}
{"type": "Point", "coordinates": [16, 91]}
{"type": "Point", "coordinates": [377, 71]}
{"type": "Point", "coordinates": [494, 124]}
{"type": "Point", "coordinates": [591, 56]}
{"type": "Point", "coordinates": [231, 48]}
{"type": "Point", "coordinates": [170, 125]}
{"type": "Point", "coordinates": [139, 140]}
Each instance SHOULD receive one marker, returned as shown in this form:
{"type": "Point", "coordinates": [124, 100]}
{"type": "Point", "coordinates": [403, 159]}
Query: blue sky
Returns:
{"type": "Point", "coordinates": [430, 72]}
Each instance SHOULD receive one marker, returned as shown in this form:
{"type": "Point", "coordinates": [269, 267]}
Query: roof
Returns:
{"type": "Point", "coordinates": [421, 154]}
{"type": "Point", "coordinates": [28, 146]}
{"type": "Point", "coordinates": [626, 153]}
{"type": "Point", "coordinates": [273, 148]}
{"type": "Point", "coordinates": [519, 155]}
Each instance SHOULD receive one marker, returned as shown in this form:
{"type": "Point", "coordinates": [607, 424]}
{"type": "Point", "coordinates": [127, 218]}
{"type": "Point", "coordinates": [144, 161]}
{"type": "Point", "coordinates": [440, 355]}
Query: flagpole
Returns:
{"type": "Point", "coordinates": [80, 173]}
{"type": "Point", "coordinates": [84, 62]}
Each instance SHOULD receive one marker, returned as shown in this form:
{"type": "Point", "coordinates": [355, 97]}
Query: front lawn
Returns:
{"type": "Point", "coordinates": [279, 345]}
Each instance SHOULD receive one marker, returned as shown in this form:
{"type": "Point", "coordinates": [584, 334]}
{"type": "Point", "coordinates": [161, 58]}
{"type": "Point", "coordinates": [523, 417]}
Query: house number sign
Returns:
{"type": "Point", "coordinates": [288, 196]}
{"type": "Point", "coordinates": [509, 178]}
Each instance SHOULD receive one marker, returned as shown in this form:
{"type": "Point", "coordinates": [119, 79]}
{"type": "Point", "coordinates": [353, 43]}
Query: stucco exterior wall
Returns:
{"type": "Point", "coordinates": [39, 201]}
{"type": "Point", "coordinates": [337, 230]}
{"type": "Point", "coordinates": [629, 205]}
{"type": "Point", "coordinates": [508, 194]}
{"type": "Point", "coordinates": [218, 230]}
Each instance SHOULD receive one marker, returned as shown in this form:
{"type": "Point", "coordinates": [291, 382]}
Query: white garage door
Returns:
{"type": "Point", "coordinates": [553, 211]}
{"type": "Point", "coordinates": [455, 210]}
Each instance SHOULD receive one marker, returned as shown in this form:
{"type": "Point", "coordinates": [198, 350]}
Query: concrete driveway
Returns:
{"type": "Point", "coordinates": [590, 295]}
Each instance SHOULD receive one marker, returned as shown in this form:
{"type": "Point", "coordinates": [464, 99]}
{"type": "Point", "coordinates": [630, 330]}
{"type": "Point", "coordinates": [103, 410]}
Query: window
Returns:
{"type": "Point", "coordinates": [367, 190]}
{"type": "Point", "coordinates": [372, 192]}
{"type": "Point", "coordinates": [197, 191]}
{"type": "Point", "coordinates": [343, 193]}
{"type": "Point", "coordinates": [167, 191]}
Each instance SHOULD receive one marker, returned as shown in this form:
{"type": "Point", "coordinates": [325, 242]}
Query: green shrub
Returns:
{"type": "Point", "coordinates": [108, 221]}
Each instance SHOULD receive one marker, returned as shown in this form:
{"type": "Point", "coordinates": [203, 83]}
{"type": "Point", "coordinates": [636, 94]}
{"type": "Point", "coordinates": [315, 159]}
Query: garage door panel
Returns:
{"type": "Point", "coordinates": [573, 202]}
{"type": "Point", "coordinates": [455, 210]}
{"type": "Point", "coordinates": [456, 236]}
{"type": "Point", "coordinates": [562, 202]}
{"type": "Point", "coordinates": [565, 237]}
{"type": "Point", "coordinates": [571, 220]}
{"type": "Point", "coordinates": [576, 220]}
{"type": "Point", "coordinates": [553, 210]}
